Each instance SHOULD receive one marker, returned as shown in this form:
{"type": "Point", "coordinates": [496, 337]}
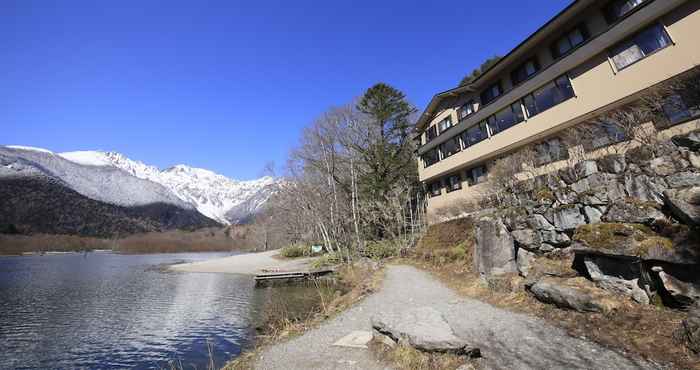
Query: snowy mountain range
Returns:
{"type": "Point", "coordinates": [213, 195]}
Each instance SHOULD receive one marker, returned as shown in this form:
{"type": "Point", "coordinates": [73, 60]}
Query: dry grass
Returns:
{"type": "Point", "coordinates": [18, 244]}
{"type": "Point", "coordinates": [358, 280]}
{"type": "Point", "coordinates": [408, 358]}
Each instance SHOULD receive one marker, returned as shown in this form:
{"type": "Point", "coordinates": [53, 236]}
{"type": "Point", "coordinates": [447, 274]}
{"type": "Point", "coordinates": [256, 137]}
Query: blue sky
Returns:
{"type": "Point", "coordinates": [228, 85]}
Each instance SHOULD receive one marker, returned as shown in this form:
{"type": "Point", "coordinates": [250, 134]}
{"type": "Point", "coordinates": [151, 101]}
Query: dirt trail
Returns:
{"type": "Point", "coordinates": [507, 340]}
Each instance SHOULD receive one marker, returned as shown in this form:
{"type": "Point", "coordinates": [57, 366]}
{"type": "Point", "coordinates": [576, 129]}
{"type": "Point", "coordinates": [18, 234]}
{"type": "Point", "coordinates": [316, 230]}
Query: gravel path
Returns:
{"type": "Point", "coordinates": [248, 264]}
{"type": "Point", "coordinates": [507, 340]}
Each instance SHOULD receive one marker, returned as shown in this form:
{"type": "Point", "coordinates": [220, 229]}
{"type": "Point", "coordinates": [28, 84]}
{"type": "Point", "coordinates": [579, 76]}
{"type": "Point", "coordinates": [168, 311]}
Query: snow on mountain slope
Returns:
{"type": "Point", "coordinates": [214, 195]}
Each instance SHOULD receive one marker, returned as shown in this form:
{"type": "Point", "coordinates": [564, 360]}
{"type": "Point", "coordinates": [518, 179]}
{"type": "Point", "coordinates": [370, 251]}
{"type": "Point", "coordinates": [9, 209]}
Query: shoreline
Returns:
{"type": "Point", "coordinates": [246, 264]}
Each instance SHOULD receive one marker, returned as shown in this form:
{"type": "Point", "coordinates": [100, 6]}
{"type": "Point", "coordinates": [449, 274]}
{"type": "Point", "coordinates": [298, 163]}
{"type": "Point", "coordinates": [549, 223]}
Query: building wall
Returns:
{"type": "Point", "coordinates": [596, 83]}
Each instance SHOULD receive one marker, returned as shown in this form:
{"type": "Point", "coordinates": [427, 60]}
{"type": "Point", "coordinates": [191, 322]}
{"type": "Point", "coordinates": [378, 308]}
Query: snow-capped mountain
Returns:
{"type": "Point", "coordinates": [214, 195]}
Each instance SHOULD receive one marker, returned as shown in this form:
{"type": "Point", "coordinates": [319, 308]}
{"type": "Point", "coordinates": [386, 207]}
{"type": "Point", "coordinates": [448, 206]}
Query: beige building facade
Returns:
{"type": "Point", "coordinates": [592, 57]}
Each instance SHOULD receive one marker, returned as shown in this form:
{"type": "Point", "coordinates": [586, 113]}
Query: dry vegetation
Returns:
{"type": "Point", "coordinates": [408, 358]}
{"type": "Point", "coordinates": [203, 240]}
{"type": "Point", "coordinates": [354, 283]}
{"type": "Point", "coordinates": [648, 331]}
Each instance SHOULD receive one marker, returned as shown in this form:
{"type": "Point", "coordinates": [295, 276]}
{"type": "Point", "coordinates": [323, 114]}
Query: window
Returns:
{"type": "Point", "coordinates": [431, 157]}
{"type": "Point", "coordinates": [450, 147]}
{"type": "Point", "coordinates": [430, 133]}
{"type": "Point", "coordinates": [639, 46]}
{"type": "Point", "coordinates": [491, 93]}
{"type": "Point", "coordinates": [445, 124]}
{"type": "Point", "coordinates": [435, 188]}
{"type": "Point", "coordinates": [454, 182]}
{"type": "Point", "coordinates": [604, 134]}
{"type": "Point", "coordinates": [467, 109]}
{"type": "Point", "coordinates": [506, 118]}
{"type": "Point", "coordinates": [476, 175]}
{"type": "Point", "coordinates": [548, 96]}
{"type": "Point", "coordinates": [569, 41]}
{"type": "Point", "coordinates": [524, 72]}
{"type": "Point", "coordinates": [549, 151]}
{"type": "Point", "coordinates": [619, 8]}
{"type": "Point", "coordinates": [676, 110]}
{"type": "Point", "coordinates": [474, 134]}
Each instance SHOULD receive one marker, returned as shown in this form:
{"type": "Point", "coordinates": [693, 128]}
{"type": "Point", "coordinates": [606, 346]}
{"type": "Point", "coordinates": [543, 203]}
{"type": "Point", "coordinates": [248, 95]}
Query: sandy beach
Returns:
{"type": "Point", "coordinates": [247, 264]}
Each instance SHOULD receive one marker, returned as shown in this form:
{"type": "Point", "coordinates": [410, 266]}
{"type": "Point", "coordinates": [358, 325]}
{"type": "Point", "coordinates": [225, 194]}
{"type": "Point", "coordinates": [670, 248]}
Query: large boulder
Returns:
{"type": "Point", "coordinates": [593, 214]}
{"type": "Point", "coordinates": [554, 238]}
{"type": "Point", "coordinates": [664, 166]}
{"type": "Point", "coordinates": [614, 163]}
{"type": "Point", "coordinates": [524, 261]}
{"type": "Point", "coordinates": [574, 293]}
{"type": "Point", "coordinates": [617, 275]}
{"type": "Point", "coordinates": [494, 252]}
{"type": "Point", "coordinates": [633, 210]}
{"type": "Point", "coordinates": [684, 204]}
{"type": "Point", "coordinates": [527, 238]}
{"type": "Point", "coordinates": [645, 188]}
{"type": "Point", "coordinates": [539, 222]}
{"type": "Point", "coordinates": [585, 168]}
{"type": "Point", "coordinates": [683, 179]}
{"type": "Point", "coordinates": [566, 218]}
{"type": "Point", "coordinates": [424, 329]}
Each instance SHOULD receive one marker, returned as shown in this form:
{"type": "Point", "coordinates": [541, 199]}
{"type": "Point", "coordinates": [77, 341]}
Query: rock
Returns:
{"type": "Point", "coordinates": [494, 252]}
{"type": "Point", "coordinates": [683, 179]}
{"type": "Point", "coordinates": [606, 186]}
{"type": "Point", "coordinates": [684, 204]}
{"type": "Point", "coordinates": [683, 292]}
{"type": "Point", "coordinates": [690, 141]}
{"type": "Point", "coordinates": [662, 166]}
{"type": "Point", "coordinates": [617, 275]}
{"type": "Point", "coordinates": [539, 222]}
{"type": "Point", "coordinates": [592, 214]}
{"type": "Point", "coordinates": [585, 168]}
{"type": "Point", "coordinates": [384, 339]}
{"type": "Point", "coordinates": [568, 175]}
{"type": "Point", "coordinates": [527, 238]}
{"type": "Point", "coordinates": [694, 159]}
{"type": "Point", "coordinates": [592, 199]}
{"type": "Point", "coordinates": [645, 188]}
{"type": "Point", "coordinates": [424, 329]}
{"type": "Point", "coordinates": [565, 195]}
{"type": "Point", "coordinates": [581, 186]}
{"type": "Point", "coordinates": [614, 163]}
{"type": "Point", "coordinates": [546, 247]}
{"type": "Point", "coordinates": [567, 218]}
{"type": "Point", "coordinates": [690, 329]}
{"type": "Point", "coordinates": [574, 293]}
{"type": "Point", "coordinates": [554, 238]}
{"type": "Point", "coordinates": [633, 211]}
{"type": "Point", "coordinates": [524, 261]}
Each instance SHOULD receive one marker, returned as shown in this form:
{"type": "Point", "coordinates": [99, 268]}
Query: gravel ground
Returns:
{"type": "Point", "coordinates": [248, 264]}
{"type": "Point", "coordinates": [507, 340]}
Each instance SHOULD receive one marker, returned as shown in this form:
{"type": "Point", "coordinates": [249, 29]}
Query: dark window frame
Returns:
{"type": "Point", "coordinates": [540, 160]}
{"type": "Point", "coordinates": [591, 146]}
{"type": "Point", "coordinates": [437, 155]}
{"type": "Point", "coordinates": [470, 103]}
{"type": "Point", "coordinates": [464, 135]}
{"type": "Point", "coordinates": [485, 94]}
{"type": "Point", "coordinates": [687, 110]}
{"type": "Point", "coordinates": [455, 140]}
{"type": "Point", "coordinates": [471, 180]}
{"type": "Point", "coordinates": [631, 41]}
{"type": "Point", "coordinates": [514, 75]}
{"type": "Point", "coordinates": [615, 18]}
{"type": "Point", "coordinates": [439, 129]}
{"type": "Point", "coordinates": [429, 137]}
{"type": "Point", "coordinates": [554, 46]}
{"type": "Point", "coordinates": [435, 191]}
{"type": "Point", "coordinates": [450, 186]}
{"type": "Point", "coordinates": [571, 93]}
{"type": "Point", "coordinates": [517, 114]}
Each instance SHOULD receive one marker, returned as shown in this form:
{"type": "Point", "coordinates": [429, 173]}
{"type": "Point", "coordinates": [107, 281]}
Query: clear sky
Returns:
{"type": "Point", "coordinates": [228, 85]}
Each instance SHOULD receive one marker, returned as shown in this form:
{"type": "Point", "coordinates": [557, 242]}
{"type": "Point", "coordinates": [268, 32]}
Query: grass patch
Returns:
{"type": "Point", "coordinates": [408, 358]}
{"type": "Point", "coordinates": [382, 249]}
{"type": "Point", "coordinates": [326, 260]}
{"type": "Point", "coordinates": [296, 251]}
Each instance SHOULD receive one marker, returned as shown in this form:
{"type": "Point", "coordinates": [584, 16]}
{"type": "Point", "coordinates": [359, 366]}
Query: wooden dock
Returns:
{"type": "Point", "coordinates": [289, 276]}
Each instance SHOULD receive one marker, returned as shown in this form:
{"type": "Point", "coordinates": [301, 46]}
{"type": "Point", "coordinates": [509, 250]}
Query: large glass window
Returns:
{"type": "Point", "coordinates": [506, 118]}
{"type": "Point", "coordinates": [474, 134]}
{"type": "Point", "coordinates": [467, 109]}
{"type": "Point", "coordinates": [548, 96]}
{"type": "Point", "coordinates": [524, 72]}
{"type": "Point", "coordinates": [476, 175]}
{"type": "Point", "coordinates": [431, 157]}
{"type": "Point", "coordinates": [445, 124]}
{"type": "Point", "coordinates": [619, 8]}
{"type": "Point", "coordinates": [549, 151]}
{"type": "Point", "coordinates": [450, 147]}
{"type": "Point", "coordinates": [569, 41]}
{"type": "Point", "coordinates": [431, 133]}
{"type": "Point", "coordinates": [435, 188]}
{"type": "Point", "coordinates": [491, 93]}
{"type": "Point", "coordinates": [454, 182]}
{"type": "Point", "coordinates": [639, 46]}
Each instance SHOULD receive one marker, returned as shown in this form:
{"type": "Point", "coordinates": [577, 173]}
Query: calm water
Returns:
{"type": "Point", "coordinates": [120, 311]}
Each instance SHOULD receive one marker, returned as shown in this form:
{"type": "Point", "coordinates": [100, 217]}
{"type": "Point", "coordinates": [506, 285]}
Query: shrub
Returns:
{"type": "Point", "coordinates": [330, 259]}
{"type": "Point", "coordinates": [296, 250]}
{"type": "Point", "coordinates": [382, 249]}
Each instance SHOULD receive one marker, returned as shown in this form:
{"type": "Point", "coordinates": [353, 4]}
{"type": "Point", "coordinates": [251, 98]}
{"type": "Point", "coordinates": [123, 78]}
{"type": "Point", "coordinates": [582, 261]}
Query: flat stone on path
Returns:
{"type": "Point", "coordinates": [356, 339]}
{"type": "Point", "coordinates": [507, 340]}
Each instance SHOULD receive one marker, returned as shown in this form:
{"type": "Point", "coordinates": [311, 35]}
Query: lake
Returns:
{"type": "Point", "coordinates": [104, 310]}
